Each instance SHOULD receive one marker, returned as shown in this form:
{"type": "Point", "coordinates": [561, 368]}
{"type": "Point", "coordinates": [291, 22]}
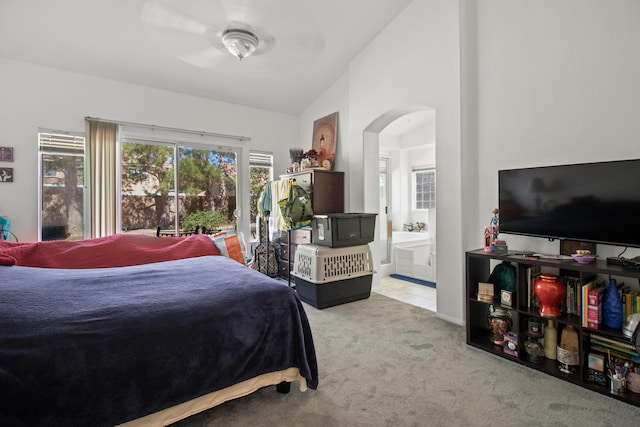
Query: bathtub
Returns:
{"type": "Point", "coordinates": [413, 255]}
{"type": "Point", "coordinates": [401, 237]}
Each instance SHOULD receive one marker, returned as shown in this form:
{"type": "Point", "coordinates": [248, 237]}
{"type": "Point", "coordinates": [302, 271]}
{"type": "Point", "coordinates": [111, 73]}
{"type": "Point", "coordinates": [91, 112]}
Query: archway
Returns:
{"type": "Point", "coordinates": [371, 155]}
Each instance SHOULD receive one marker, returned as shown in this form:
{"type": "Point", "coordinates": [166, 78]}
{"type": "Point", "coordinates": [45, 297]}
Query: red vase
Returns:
{"type": "Point", "coordinates": [550, 292]}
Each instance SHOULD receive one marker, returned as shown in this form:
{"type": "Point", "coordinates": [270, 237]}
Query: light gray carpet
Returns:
{"type": "Point", "coordinates": [386, 363]}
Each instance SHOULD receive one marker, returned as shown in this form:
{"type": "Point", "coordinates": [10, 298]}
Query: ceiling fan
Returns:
{"type": "Point", "coordinates": [214, 33]}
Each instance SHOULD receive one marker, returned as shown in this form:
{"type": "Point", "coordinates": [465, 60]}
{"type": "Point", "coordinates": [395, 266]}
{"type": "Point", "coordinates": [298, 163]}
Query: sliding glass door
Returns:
{"type": "Point", "coordinates": [199, 189]}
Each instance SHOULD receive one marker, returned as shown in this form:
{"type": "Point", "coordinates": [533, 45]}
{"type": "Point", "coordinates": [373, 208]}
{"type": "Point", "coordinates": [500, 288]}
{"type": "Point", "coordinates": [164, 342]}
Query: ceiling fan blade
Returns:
{"type": "Point", "coordinates": [156, 14]}
{"type": "Point", "coordinates": [206, 58]}
{"type": "Point", "coordinates": [251, 12]}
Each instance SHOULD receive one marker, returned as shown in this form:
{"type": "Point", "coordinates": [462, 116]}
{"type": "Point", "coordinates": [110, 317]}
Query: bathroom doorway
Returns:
{"type": "Point", "coordinates": [408, 147]}
{"type": "Point", "coordinates": [407, 221]}
{"type": "Point", "coordinates": [403, 142]}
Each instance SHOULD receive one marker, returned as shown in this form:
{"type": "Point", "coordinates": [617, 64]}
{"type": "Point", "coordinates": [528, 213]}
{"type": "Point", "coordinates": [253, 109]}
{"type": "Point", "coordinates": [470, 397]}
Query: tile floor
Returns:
{"type": "Point", "coordinates": [411, 293]}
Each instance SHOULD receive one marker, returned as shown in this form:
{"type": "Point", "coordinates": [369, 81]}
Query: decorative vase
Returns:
{"type": "Point", "coordinates": [568, 355]}
{"type": "Point", "coordinates": [612, 306]}
{"type": "Point", "coordinates": [550, 341]}
{"type": "Point", "coordinates": [550, 291]}
{"type": "Point", "coordinates": [500, 322]}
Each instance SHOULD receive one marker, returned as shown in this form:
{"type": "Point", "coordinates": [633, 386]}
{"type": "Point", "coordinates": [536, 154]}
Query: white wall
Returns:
{"type": "Point", "coordinates": [34, 96]}
{"type": "Point", "coordinates": [550, 82]}
{"type": "Point", "coordinates": [333, 100]}
{"type": "Point", "coordinates": [384, 77]}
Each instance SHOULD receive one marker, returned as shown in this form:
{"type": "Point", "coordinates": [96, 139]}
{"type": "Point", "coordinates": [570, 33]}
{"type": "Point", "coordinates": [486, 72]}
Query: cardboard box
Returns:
{"type": "Point", "coordinates": [485, 289]}
{"type": "Point", "coordinates": [595, 369]}
{"type": "Point", "coordinates": [596, 296]}
{"type": "Point", "coordinates": [594, 313]}
{"type": "Point", "coordinates": [594, 324]}
{"type": "Point", "coordinates": [595, 361]}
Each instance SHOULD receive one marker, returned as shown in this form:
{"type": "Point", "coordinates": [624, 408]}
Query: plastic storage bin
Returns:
{"type": "Point", "coordinates": [343, 229]}
{"type": "Point", "coordinates": [318, 264]}
{"type": "Point", "coordinates": [325, 277]}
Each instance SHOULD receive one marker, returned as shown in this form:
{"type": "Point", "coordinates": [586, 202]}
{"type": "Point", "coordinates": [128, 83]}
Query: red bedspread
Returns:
{"type": "Point", "coordinates": [119, 250]}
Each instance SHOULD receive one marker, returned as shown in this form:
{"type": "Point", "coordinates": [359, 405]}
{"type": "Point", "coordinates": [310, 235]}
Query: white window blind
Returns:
{"type": "Point", "coordinates": [60, 143]}
{"type": "Point", "coordinates": [258, 159]}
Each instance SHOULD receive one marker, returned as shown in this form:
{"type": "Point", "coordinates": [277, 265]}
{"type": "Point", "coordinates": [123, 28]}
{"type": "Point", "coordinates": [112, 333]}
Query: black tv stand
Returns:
{"type": "Point", "coordinates": [522, 309]}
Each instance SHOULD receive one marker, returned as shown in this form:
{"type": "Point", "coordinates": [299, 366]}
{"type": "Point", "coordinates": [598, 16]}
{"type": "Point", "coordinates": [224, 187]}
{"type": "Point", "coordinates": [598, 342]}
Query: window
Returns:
{"type": "Point", "coordinates": [261, 172]}
{"type": "Point", "coordinates": [424, 189]}
{"type": "Point", "coordinates": [62, 186]}
{"type": "Point", "coordinates": [197, 190]}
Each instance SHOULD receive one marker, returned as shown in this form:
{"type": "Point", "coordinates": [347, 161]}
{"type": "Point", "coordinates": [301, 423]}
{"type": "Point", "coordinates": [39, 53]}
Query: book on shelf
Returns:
{"type": "Point", "coordinates": [607, 345]}
{"type": "Point", "coordinates": [593, 289]}
{"type": "Point", "coordinates": [571, 303]}
{"type": "Point", "coordinates": [630, 301]}
{"type": "Point", "coordinates": [532, 273]}
{"type": "Point", "coordinates": [585, 302]}
{"type": "Point", "coordinates": [606, 341]}
{"type": "Point", "coordinates": [594, 307]}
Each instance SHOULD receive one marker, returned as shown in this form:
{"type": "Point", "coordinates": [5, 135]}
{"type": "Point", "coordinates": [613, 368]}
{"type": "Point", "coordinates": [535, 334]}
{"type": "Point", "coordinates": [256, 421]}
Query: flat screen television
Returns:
{"type": "Point", "coordinates": [588, 202]}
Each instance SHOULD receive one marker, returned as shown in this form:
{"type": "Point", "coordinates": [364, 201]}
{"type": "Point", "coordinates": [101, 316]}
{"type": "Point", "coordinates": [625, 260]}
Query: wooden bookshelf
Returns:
{"type": "Point", "coordinates": [479, 266]}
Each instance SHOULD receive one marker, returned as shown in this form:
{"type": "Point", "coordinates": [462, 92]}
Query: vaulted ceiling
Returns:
{"type": "Point", "coordinates": [305, 45]}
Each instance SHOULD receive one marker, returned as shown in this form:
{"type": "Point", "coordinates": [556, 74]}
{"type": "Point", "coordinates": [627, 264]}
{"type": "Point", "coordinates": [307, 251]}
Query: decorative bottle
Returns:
{"type": "Point", "coordinates": [550, 341]}
{"type": "Point", "coordinates": [612, 307]}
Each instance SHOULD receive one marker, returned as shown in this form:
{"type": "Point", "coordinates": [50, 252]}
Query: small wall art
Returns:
{"type": "Point", "coordinates": [6, 154]}
{"type": "Point", "coordinates": [6, 174]}
{"type": "Point", "coordinates": [325, 138]}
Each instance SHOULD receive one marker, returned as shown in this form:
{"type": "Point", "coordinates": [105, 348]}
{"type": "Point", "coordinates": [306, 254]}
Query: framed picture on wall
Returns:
{"type": "Point", "coordinates": [325, 139]}
{"type": "Point", "coordinates": [6, 154]}
{"type": "Point", "coordinates": [6, 174]}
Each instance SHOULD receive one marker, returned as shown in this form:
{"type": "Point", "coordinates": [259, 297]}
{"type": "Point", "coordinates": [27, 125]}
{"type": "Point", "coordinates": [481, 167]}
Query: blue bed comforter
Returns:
{"type": "Point", "coordinates": [105, 346]}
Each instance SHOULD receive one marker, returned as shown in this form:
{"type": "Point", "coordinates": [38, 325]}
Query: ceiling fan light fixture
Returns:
{"type": "Point", "coordinates": [240, 43]}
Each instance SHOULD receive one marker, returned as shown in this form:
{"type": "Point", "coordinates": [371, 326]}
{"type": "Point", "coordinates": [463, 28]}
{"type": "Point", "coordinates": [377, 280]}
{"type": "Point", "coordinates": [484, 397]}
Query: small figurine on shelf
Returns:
{"type": "Point", "coordinates": [491, 232]}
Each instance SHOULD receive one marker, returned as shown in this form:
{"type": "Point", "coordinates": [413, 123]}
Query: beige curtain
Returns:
{"type": "Point", "coordinates": [102, 177]}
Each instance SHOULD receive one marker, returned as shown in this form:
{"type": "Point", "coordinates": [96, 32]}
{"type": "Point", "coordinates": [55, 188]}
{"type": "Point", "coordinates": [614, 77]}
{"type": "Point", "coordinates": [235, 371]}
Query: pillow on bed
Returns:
{"type": "Point", "coordinates": [118, 250]}
{"type": "Point", "coordinates": [230, 246]}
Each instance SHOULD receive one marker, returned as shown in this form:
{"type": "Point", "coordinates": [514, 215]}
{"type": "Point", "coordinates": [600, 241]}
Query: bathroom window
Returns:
{"type": "Point", "coordinates": [424, 189]}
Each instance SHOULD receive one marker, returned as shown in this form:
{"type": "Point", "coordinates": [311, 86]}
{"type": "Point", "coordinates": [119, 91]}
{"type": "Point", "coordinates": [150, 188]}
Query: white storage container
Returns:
{"type": "Point", "coordinates": [321, 264]}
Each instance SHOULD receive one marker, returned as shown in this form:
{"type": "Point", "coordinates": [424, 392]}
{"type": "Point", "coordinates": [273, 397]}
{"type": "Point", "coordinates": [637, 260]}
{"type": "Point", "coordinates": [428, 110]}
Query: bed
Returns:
{"type": "Point", "coordinates": [141, 344]}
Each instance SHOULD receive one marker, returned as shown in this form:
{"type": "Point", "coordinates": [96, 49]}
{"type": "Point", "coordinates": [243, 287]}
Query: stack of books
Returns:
{"type": "Point", "coordinates": [572, 302]}
{"type": "Point", "coordinates": [593, 298]}
{"type": "Point", "coordinates": [532, 274]}
{"type": "Point", "coordinates": [618, 349]}
{"type": "Point", "coordinates": [594, 308]}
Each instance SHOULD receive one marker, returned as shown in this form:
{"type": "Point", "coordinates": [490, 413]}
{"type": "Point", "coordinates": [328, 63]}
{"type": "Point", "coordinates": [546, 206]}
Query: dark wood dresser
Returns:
{"type": "Point", "coordinates": [326, 189]}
